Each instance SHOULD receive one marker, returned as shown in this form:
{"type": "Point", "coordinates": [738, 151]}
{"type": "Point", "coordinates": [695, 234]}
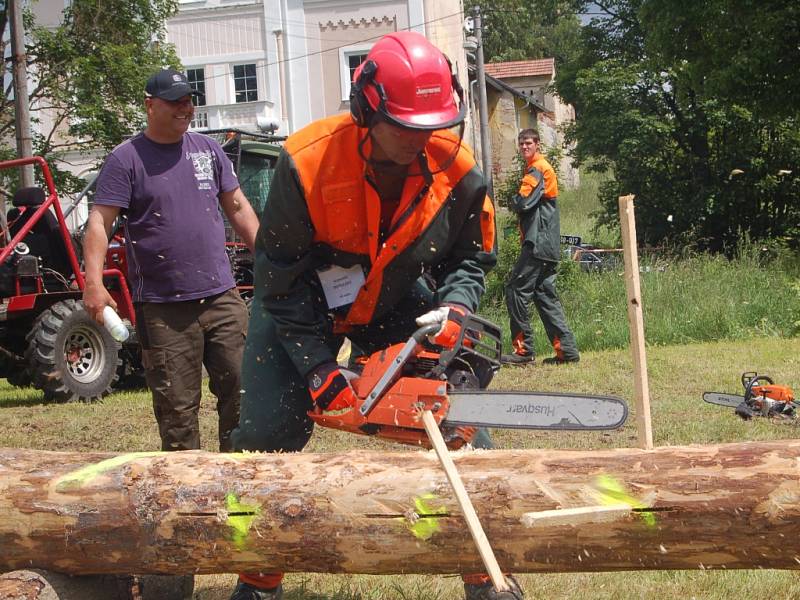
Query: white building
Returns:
{"type": "Point", "coordinates": [279, 63]}
{"type": "Point", "coordinates": [289, 62]}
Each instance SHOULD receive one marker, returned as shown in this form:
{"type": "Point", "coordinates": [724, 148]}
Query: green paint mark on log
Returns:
{"type": "Point", "coordinates": [424, 521]}
{"type": "Point", "coordinates": [79, 478]}
{"type": "Point", "coordinates": [240, 518]}
{"type": "Point", "coordinates": [611, 492]}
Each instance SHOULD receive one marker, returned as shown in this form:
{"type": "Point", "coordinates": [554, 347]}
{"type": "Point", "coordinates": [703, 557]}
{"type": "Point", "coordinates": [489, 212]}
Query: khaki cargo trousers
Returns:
{"type": "Point", "coordinates": [178, 339]}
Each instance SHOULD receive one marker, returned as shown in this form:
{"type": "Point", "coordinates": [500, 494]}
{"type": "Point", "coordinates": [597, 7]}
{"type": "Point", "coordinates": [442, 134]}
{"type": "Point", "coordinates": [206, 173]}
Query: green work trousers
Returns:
{"type": "Point", "coordinates": [534, 280]}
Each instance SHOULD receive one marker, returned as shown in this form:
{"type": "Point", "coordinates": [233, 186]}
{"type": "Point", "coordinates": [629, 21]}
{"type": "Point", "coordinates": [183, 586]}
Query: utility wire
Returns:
{"type": "Point", "coordinates": [333, 48]}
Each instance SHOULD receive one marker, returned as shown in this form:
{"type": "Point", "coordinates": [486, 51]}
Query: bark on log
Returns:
{"type": "Point", "coordinates": [723, 506]}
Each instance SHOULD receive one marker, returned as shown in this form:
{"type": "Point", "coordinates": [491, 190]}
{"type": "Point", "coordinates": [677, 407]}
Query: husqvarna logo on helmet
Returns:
{"type": "Point", "coordinates": [429, 90]}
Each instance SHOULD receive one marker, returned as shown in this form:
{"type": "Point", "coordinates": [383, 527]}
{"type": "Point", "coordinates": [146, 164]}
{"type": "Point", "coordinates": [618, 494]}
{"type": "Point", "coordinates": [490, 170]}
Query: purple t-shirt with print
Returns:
{"type": "Point", "coordinates": [174, 232]}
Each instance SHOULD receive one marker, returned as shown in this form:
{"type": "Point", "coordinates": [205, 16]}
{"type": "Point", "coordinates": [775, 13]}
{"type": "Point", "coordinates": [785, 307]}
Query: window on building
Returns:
{"type": "Point", "coordinates": [200, 120]}
{"type": "Point", "coordinates": [349, 59]}
{"type": "Point", "coordinates": [245, 83]}
{"type": "Point", "coordinates": [197, 79]}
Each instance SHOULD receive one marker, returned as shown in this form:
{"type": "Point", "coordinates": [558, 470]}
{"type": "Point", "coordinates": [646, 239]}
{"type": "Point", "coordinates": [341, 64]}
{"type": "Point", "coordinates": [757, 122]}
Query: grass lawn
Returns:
{"type": "Point", "coordinates": [678, 376]}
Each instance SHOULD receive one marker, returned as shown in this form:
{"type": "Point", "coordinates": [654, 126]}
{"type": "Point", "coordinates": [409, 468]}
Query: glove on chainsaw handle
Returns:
{"type": "Point", "coordinates": [451, 317]}
{"type": "Point", "coordinates": [330, 389]}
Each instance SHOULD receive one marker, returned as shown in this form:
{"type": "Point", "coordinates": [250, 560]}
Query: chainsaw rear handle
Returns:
{"type": "Point", "coordinates": [750, 380]}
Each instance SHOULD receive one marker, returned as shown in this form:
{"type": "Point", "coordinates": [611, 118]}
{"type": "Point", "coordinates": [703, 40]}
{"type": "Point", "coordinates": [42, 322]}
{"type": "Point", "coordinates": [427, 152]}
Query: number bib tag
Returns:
{"type": "Point", "coordinates": [341, 285]}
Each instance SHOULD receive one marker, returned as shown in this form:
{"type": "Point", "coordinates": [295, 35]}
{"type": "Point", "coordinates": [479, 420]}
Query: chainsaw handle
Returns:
{"type": "Point", "coordinates": [423, 332]}
{"type": "Point", "coordinates": [388, 376]}
{"type": "Point", "coordinates": [750, 380]}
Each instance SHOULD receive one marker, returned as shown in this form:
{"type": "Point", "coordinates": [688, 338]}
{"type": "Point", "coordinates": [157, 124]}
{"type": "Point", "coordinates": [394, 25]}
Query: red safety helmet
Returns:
{"type": "Point", "coordinates": [408, 81]}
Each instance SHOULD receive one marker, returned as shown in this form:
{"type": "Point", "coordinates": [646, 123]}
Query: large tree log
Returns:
{"type": "Point", "coordinates": [727, 506]}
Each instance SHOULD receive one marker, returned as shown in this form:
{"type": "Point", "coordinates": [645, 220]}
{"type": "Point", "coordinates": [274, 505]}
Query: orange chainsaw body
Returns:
{"type": "Point", "coordinates": [777, 392]}
{"type": "Point", "coordinates": [397, 414]}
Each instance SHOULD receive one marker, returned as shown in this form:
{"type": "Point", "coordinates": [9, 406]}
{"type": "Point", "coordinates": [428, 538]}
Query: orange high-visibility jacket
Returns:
{"type": "Point", "coordinates": [322, 211]}
{"type": "Point", "coordinates": [536, 204]}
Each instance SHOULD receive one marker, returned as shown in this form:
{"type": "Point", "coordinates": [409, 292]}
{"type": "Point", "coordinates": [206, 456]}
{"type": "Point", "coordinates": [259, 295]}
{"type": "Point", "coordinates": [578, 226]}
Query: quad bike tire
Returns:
{"type": "Point", "coordinates": [38, 584]}
{"type": "Point", "coordinates": [22, 375]}
{"type": "Point", "coordinates": [72, 357]}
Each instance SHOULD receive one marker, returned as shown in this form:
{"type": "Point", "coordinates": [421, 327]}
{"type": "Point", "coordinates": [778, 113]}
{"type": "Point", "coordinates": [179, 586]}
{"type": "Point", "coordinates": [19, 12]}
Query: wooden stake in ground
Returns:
{"type": "Point", "coordinates": [471, 517]}
{"type": "Point", "coordinates": [644, 426]}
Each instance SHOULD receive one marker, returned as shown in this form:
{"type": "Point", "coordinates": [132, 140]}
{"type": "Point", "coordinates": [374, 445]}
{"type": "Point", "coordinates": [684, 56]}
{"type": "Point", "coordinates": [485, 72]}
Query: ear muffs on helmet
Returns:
{"type": "Point", "coordinates": [360, 109]}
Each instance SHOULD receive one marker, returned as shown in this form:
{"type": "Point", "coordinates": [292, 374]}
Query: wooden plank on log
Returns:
{"type": "Point", "coordinates": [581, 515]}
{"type": "Point", "coordinates": [719, 506]}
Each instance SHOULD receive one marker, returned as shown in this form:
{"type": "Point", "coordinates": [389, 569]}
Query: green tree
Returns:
{"type": "Point", "coordinates": [747, 52]}
{"type": "Point", "coordinates": [708, 166]}
{"type": "Point", "coordinates": [522, 30]}
{"type": "Point", "coordinates": [87, 76]}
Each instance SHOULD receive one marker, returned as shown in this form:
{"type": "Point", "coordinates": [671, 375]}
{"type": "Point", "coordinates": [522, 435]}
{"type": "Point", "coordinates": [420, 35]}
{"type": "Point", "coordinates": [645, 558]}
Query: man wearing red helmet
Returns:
{"type": "Point", "coordinates": [360, 206]}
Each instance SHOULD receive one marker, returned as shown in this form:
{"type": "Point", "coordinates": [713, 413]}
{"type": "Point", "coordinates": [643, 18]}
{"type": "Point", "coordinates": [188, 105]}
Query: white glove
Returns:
{"type": "Point", "coordinates": [449, 319]}
{"type": "Point", "coordinates": [437, 315]}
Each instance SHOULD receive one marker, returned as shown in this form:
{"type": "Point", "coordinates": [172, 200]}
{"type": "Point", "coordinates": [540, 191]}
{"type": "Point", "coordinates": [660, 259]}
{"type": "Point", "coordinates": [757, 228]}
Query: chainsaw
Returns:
{"type": "Point", "coordinates": [762, 397]}
{"type": "Point", "coordinates": [397, 384]}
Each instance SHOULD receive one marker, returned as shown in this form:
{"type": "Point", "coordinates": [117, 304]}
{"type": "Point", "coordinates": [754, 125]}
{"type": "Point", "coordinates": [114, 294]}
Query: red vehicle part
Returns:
{"type": "Point", "coordinates": [47, 339]}
{"type": "Point", "coordinates": [51, 200]}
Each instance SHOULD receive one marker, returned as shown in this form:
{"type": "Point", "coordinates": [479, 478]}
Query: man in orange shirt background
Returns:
{"type": "Point", "coordinates": [533, 278]}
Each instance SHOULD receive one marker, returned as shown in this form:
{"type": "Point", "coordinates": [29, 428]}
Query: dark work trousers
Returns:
{"type": "Point", "coordinates": [534, 280]}
{"type": "Point", "coordinates": [275, 398]}
{"type": "Point", "coordinates": [177, 339]}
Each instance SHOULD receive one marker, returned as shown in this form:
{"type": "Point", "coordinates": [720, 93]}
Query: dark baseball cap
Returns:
{"type": "Point", "coordinates": [169, 84]}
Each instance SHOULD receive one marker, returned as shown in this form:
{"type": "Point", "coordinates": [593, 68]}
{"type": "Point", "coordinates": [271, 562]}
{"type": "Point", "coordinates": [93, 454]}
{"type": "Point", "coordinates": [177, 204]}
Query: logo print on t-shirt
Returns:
{"type": "Point", "coordinates": [203, 168]}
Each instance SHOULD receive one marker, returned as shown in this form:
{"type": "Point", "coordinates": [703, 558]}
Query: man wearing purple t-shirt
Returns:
{"type": "Point", "coordinates": [168, 185]}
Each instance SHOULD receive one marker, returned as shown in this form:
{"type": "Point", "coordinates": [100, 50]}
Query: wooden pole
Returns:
{"type": "Point", "coordinates": [22, 118]}
{"type": "Point", "coordinates": [470, 516]}
{"type": "Point", "coordinates": [731, 506]}
{"type": "Point", "coordinates": [644, 426]}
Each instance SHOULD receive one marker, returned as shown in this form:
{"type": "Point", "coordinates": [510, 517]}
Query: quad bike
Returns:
{"type": "Point", "coordinates": [47, 339]}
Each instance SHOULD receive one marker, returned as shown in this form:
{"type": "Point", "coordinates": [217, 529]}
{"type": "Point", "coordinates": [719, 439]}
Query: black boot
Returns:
{"type": "Point", "coordinates": [486, 591]}
{"type": "Point", "coordinates": [517, 359]}
{"type": "Point", "coordinates": [245, 591]}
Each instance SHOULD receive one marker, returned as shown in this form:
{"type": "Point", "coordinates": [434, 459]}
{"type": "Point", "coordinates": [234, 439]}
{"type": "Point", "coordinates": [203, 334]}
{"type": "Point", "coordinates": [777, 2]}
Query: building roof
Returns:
{"type": "Point", "coordinates": [521, 68]}
{"type": "Point", "coordinates": [501, 85]}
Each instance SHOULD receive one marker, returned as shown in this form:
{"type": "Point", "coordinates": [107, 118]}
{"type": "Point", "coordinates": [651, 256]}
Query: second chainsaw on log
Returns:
{"type": "Point", "coordinates": [762, 397]}
{"type": "Point", "coordinates": [400, 382]}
